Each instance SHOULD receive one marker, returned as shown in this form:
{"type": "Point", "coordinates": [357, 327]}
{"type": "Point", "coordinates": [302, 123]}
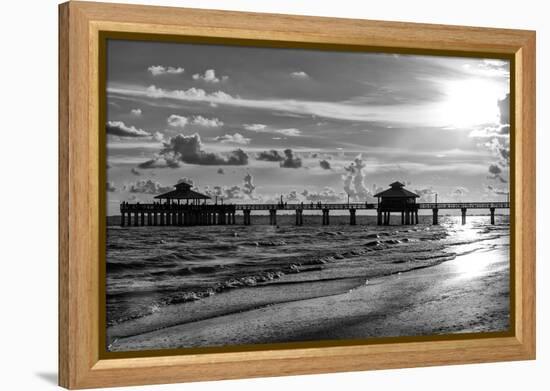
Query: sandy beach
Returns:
{"type": "Point", "coordinates": [467, 294]}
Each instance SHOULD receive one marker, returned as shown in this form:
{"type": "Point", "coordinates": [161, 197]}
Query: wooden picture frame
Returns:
{"type": "Point", "coordinates": [81, 364]}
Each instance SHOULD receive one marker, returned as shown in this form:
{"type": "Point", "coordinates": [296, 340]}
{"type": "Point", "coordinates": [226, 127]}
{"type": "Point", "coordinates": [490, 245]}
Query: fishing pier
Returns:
{"type": "Point", "coordinates": [195, 210]}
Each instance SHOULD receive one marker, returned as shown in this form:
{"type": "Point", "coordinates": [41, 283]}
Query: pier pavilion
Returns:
{"type": "Point", "coordinates": [194, 210]}
{"type": "Point", "coordinates": [397, 199]}
{"type": "Point", "coordinates": [183, 192]}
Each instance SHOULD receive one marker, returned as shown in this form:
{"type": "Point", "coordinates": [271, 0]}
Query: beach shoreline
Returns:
{"type": "Point", "coordinates": [467, 294]}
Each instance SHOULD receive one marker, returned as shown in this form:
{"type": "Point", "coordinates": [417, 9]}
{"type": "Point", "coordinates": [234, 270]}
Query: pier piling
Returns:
{"type": "Point", "coordinates": [299, 217]}
{"type": "Point", "coordinates": [352, 218]}
{"type": "Point", "coordinates": [492, 215]}
{"type": "Point", "coordinates": [246, 216]}
{"type": "Point", "coordinates": [435, 220]}
{"type": "Point", "coordinates": [273, 216]}
{"type": "Point", "coordinates": [463, 215]}
{"type": "Point", "coordinates": [326, 220]}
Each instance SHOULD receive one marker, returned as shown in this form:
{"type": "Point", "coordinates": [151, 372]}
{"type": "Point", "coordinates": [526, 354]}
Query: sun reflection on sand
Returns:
{"type": "Point", "coordinates": [473, 265]}
{"type": "Point", "coordinates": [474, 258]}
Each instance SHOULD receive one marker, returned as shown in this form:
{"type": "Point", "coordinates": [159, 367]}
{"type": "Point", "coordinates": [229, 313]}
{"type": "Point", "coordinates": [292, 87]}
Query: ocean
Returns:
{"type": "Point", "coordinates": [151, 269]}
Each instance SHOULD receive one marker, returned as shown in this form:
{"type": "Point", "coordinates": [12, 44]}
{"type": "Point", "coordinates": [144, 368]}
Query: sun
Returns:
{"type": "Point", "coordinates": [470, 102]}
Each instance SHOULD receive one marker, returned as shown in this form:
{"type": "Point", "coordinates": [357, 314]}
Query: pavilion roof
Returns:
{"type": "Point", "coordinates": [183, 193]}
{"type": "Point", "coordinates": [397, 190]}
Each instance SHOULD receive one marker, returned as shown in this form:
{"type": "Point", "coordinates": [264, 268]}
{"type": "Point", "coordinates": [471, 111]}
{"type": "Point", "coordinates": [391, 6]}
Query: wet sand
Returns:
{"type": "Point", "coordinates": [467, 294]}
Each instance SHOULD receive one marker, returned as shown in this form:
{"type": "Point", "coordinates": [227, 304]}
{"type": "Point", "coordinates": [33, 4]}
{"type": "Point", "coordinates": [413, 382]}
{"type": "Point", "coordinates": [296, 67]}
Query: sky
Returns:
{"type": "Point", "coordinates": [251, 124]}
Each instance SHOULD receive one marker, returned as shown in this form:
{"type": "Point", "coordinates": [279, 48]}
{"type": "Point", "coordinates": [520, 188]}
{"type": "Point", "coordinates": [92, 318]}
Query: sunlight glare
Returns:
{"type": "Point", "coordinates": [471, 102]}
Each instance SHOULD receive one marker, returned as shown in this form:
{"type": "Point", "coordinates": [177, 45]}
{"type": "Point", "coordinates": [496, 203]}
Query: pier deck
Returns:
{"type": "Point", "coordinates": [224, 214]}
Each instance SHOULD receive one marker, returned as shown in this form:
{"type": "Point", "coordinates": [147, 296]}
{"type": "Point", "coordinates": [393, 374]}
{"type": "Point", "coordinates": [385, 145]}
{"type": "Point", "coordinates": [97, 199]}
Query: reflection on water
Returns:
{"type": "Point", "coordinates": [484, 247]}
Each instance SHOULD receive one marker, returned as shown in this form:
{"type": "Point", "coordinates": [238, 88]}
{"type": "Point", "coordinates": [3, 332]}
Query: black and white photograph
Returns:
{"type": "Point", "coordinates": [265, 195]}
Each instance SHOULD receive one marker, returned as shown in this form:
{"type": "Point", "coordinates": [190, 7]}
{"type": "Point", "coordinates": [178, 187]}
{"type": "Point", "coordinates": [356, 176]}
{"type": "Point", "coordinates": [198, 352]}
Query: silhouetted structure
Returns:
{"type": "Point", "coordinates": [192, 212]}
{"type": "Point", "coordinates": [397, 199]}
{"type": "Point", "coordinates": [183, 192]}
{"type": "Point", "coordinates": [173, 212]}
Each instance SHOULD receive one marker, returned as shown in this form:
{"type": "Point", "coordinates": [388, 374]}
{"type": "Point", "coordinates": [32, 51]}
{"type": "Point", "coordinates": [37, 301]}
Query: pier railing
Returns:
{"type": "Point", "coordinates": [139, 207]}
{"type": "Point", "coordinates": [159, 207]}
{"type": "Point", "coordinates": [214, 214]}
{"type": "Point", "coordinates": [306, 206]}
{"type": "Point", "coordinates": [461, 205]}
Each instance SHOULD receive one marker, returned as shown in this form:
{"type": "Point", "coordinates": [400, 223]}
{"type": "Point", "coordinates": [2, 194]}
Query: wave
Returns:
{"type": "Point", "coordinates": [265, 243]}
{"type": "Point", "coordinates": [185, 268]}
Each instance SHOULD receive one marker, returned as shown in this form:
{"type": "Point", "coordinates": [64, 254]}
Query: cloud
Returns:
{"type": "Point", "coordinates": [260, 128]}
{"type": "Point", "coordinates": [426, 194]}
{"type": "Point", "coordinates": [354, 184]}
{"type": "Point", "coordinates": [254, 127]}
{"type": "Point", "coordinates": [499, 131]}
{"type": "Point", "coordinates": [299, 75]}
{"type": "Point", "coordinates": [406, 113]}
{"type": "Point", "coordinates": [501, 146]}
{"type": "Point", "coordinates": [147, 186]}
{"type": "Point", "coordinates": [208, 123]}
{"type": "Point", "coordinates": [496, 173]}
{"type": "Point", "coordinates": [293, 196]}
{"type": "Point", "coordinates": [220, 171]}
{"type": "Point", "coordinates": [489, 68]}
{"type": "Point", "coordinates": [376, 189]}
{"type": "Point", "coordinates": [187, 180]}
{"type": "Point", "coordinates": [111, 187]}
{"type": "Point", "coordinates": [292, 132]}
{"type": "Point", "coordinates": [496, 191]}
{"type": "Point", "coordinates": [135, 172]}
{"type": "Point", "coordinates": [326, 195]}
{"type": "Point", "coordinates": [290, 160]}
{"type": "Point", "coordinates": [158, 136]}
{"type": "Point", "coordinates": [236, 138]}
{"type": "Point", "coordinates": [157, 70]}
{"type": "Point", "coordinates": [502, 128]}
{"type": "Point", "coordinates": [494, 169]}
{"type": "Point", "coordinates": [248, 186]}
{"type": "Point", "coordinates": [504, 110]}
{"type": "Point", "coordinates": [192, 94]}
{"type": "Point", "coordinates": [209, 76]}
{"type": "Point", "coordinates": [177, 121]}
{"type": "Point", "coordinates": [270, 156]}
{"type": "Point", "coordinates": [245, 191]}
{"type": "Point", "coordinates": [337, 110]}
{"type": "Point", "coordinates": [189, 149]}
{"type": "Point", "coordinates": [501, 149]}
{"type": "Point", "coordinates": [165, 161]}
{"type": "Point", "coordinates": [325, 165]}
{"type": "Point", "coordinates": [136, 112]}
{"type": "Point", "coordinates": [119, 128]}
{"type": "Point", "coordinates": [459, 191]}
